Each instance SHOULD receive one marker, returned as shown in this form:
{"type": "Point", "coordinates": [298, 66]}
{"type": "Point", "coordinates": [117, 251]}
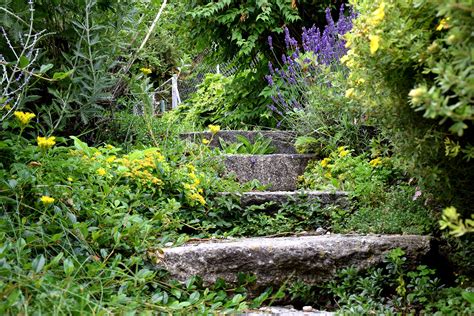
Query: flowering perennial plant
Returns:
{"type": "Point", "coordinates": [304, 61]}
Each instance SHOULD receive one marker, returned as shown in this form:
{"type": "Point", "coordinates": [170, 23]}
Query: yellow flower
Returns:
{"type": "Point", "coordinates": [214, 128]}
{"type": "Point", "coordinates": [69, 179]}
{"type": "Point", "coordinates": [198, 198]}
{"type": "Point", "coordinates": [46, 200]}
{"type": "Point", "coordinates": [343, 153]}
{"type": "Point", "coordinates": [443, 24]}
{"type": "Point", "coordinates": [205, 141]}
{"type": "Point", "coordinates": [378, 15]}
{"type": "Point", "coordinates": [325, 162]}
{"type": "Point", "coordinates": [101, 172]}
{"type": "Point", "coordinates": [344, 59]}
{"type": "Point", "coordinates": [111, 159]}
{"type": "Point", "coordinates": [46, 142]}
{"type": "Point", "coordinates": [374, 43]}
{"type": "Point", "coordinates": [376, 162]}
{"type": "Point", "coordinates": [349, 92]}
{"type": "Point", "coordinates": [24, 117]}
{"type": "Point", "coordinates": [145, 71]}
{"type": "Point", "coordinates": [341, 148]}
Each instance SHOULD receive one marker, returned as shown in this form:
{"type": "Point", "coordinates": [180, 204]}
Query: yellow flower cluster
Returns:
{"type": "Point", "coordinates": [378, 15]}
{"type": "Point", "coordinates": [143, 169]}
{"type": "Point", "coordinates": [214, 129]}
{"type": "Point", "coordinates": [325, 162]}
{"type": "Point", "coordinates": [46, 200]}
{"type": "Point", "coordinates": [46, 142]}
{"type": "Point", "coordinates": [101, 172]}
{"type": "Point", "coordinates": [194, 192]}
{"type": "Point", "coordinates": [376, 162]}
{"type": "Point", "coordinates": [343, 151]}
{"type": "Point", "coordinates": [145, 71]}
{"type": "Point", "coordinates": [205, 141]}
{"type": "Point", "coordinates": [24, 117]}
{"type": "Point", "coordinates": [374, 43]}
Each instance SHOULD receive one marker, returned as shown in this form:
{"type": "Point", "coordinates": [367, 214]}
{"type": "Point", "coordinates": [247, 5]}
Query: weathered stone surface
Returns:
{"type": "Point", "coordinates": [285, 311]}
{"type": "Point", "coordinates": [278, 171]}
{"type": "Point", "coordinates": [281, 140]}
{"type": "Point", "coordinates": [312, 259]}
{"type": "Point", "coordinates": [280, 197]}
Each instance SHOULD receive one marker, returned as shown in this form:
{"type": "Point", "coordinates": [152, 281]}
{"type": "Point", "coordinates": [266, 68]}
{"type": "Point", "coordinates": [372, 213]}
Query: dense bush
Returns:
{"type": "Point", "coordinates": [411, 67]}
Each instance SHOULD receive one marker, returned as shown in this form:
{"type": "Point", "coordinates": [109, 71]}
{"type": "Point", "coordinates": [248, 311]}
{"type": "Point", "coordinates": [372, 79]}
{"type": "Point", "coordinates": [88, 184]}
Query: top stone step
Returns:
{"type": "Point", "coordinates": [282, 140]}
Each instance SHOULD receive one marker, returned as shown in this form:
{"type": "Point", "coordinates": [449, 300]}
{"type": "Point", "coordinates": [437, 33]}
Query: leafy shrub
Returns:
{"type": "Point", "coordinates": [392, 288]}
{"type": "Point", "coordinates": [308, 87]}
{"type": "Point", "coordinates": [410, 67]}
{"type": "Point", "coordinates": [382, 201]}
{"type": "Point", "coordinates": [79, 226]}
{"type": "Point", "coordinates": [259, 146]}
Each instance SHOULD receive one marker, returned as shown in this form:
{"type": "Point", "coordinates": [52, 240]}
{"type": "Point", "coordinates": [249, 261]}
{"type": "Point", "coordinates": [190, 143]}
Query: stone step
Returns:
{"type": "Point", "coordinates": [279, 172]}
{"type": "Point", "coordinates": [280, 197]}
{"type": "Point", "coordinates": [282, 141]}
{"type": "Point", "coordinates": [274, 261]}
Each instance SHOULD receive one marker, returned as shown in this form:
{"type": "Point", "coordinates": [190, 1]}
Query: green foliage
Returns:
{"type": "Point", "coordinates": [381, 200]}
{"type": "Point", "coordinates": [411, 69]}
{"type": "Point", "coordinates": [80, 226]}
{"type": "Point", "coordinates": [259, 146]}
{"type": "Point", "coordinates": [226, 101]}
{"type": "Point", "coordinates": [240, 27]}
{"type": "Point", "coordinates": [457, 226]}
{"type": "Point", "coordinates": [307, 144]}
{"type": "Point", "coordinates": [391, 289]}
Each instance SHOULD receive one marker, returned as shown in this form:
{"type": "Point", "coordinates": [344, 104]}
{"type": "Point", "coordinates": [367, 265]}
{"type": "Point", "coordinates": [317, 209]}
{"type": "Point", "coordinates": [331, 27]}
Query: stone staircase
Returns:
{"type": "Point", "coordinates": [312, 258]}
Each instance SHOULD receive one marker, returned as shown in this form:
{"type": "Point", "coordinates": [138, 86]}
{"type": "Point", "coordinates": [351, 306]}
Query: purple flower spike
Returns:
{"type": "Point", "coordinates": [270, 41]}
{"type": "Point", "coordinates": [270, 68]}
{"type": "Point", "coordinates": [269, 80]}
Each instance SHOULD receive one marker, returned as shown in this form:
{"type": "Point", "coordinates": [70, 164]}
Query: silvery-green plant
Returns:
{"type": "Point", "coordinates": [18, 70]}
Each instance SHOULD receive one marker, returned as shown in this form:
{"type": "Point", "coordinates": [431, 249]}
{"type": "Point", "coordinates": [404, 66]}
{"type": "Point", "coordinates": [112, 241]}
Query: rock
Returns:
{"type": "Point", "coordinates": [311, 259]}
{"type": "Point", "coordinates": [281, 140]}
{"type": "Point", "coordinates": [307, 308]}
{"type": "Point", "coordinates": [279, 197]}
{"type": "Point", "coordinates": [278, 171]}
{"type": "Point", "coordinates": [284, 311]}
{"type": "Point", "coordinates": [321, 231]}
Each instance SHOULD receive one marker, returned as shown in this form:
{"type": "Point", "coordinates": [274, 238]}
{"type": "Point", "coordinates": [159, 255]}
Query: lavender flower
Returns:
{"type": "Point", "coordinates": [303, 61]}
{"type": "Point", "coordinates": [270, 42]}
{"type": "Point", "coordinates": [269, 79]}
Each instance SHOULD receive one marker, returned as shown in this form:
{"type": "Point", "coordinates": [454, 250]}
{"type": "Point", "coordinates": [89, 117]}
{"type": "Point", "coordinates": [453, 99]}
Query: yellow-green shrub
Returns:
{"type": "Point", "coordinates": [411, 67]}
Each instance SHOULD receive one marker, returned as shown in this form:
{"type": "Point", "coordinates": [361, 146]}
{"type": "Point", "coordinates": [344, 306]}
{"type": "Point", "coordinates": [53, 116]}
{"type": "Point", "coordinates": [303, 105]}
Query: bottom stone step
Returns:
{"type": "Point", "coordinates": [311, 259]}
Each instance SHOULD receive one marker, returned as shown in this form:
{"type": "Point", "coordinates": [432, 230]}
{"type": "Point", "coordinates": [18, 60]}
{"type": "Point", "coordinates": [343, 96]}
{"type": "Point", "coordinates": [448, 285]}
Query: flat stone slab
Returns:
{"type": "Point", "coordinates": [282, 141]}
{"type": "Point", "coordinates": [278, 171]}
{"type": "Point", "coordinates": [311, 259]}
{"type": "Point", "coordinates": [285, 311]}
{"type": "Point", "coordinates": [280, 197]}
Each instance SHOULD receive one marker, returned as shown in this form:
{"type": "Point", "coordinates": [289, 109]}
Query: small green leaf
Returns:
{"type": "Point", "coordinates": [60, 75]}
{"type": "Point", "coordinates": [45, 68]}
{"type": "Point", "coordinates": [38, 263]}
{"type": "Point", "coordinates": [23, 62]}
{"type": "Point", "coordinates": [68, 266]}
